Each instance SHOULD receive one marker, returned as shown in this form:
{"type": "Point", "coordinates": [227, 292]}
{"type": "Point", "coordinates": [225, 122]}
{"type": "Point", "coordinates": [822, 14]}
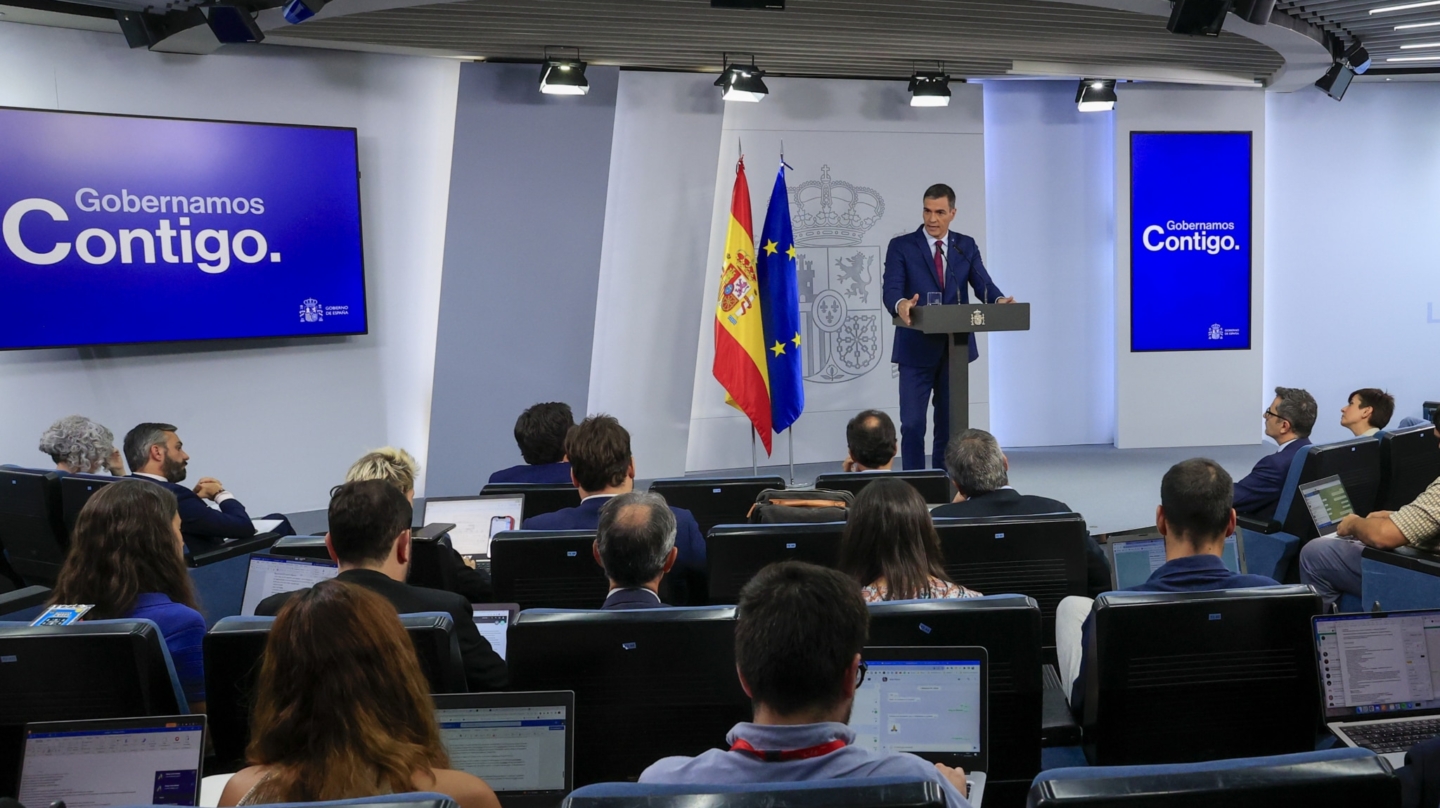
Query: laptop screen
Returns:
{"type": "Point", "coordinates": [271, 575]}
{"type": "Point", "coordinates": [1376, 664]}
{"type": "Point", "coordinates": [514, 746]}
{"type": "Point", "coordinates": [493, 620]}
{"type": "Point", "coordinates": [476, 520]}
{"type": "Point", "coordinates": [126, 761]}
{"type": "Point", "coordinates": [1327, 502]}
{"type": "Point", "coordinates": [1133, 562]}
{"type": "Point", "coordinates": [921, 705]}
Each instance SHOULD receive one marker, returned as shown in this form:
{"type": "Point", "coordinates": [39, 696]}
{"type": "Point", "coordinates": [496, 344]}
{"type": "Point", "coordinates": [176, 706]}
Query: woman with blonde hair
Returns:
{"type": "Point", "coordinates": [342, 709]}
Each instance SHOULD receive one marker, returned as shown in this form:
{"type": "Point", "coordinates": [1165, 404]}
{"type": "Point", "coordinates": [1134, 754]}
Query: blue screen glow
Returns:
{"type": "Point", "coordinates": [1190, 241]}
{"type": "Point", "coordinates": [122, 230]}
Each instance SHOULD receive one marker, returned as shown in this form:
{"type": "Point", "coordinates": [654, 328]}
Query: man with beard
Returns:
{"type": "Point", "coordinates": [154, 452]}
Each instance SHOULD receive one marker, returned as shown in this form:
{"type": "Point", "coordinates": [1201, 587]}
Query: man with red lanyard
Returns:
{"type": "Point", "coordinates": [797, 647]}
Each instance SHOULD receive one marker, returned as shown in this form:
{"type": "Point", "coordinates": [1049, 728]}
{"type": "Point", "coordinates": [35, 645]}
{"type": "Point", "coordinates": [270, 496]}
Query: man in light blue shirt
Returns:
{"type": "Point", "coordinates": [797, 650]}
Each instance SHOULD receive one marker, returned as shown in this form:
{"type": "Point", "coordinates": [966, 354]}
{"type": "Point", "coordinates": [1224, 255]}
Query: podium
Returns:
{"type": "Point", "coordinates": [959, 321]}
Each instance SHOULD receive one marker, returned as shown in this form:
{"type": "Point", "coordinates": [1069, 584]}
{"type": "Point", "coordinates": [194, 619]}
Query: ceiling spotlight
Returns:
{"type": "Point", "coordinates": [1095, 95]}
{"type": "Point", "coordinates": [930, 88]}
{"type": "Point", "coordinates": [742, 82]}
{"type": "Point", "coordinates": [1357, 57]}
{"type": "Point", "coordinates": [298, 11]}
{"type": "Point", "coordinates": [1336, 80]}
{"type": "Point", "coordinates": [563, 76]}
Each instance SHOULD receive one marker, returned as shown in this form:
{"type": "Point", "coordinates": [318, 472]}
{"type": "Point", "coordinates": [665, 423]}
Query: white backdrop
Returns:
{"type": "Point", "coordinates": [878, 155]}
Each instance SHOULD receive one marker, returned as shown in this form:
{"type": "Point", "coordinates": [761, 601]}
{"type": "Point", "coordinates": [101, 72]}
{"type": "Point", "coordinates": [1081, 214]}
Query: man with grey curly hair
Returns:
{"type": "Point", "coordinates": [81, 446]}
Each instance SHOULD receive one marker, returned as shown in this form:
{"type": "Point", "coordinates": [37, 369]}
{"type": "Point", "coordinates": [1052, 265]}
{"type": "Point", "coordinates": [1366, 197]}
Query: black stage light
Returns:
{"type": "Point", "coordinates": [930, 88]}
{"type": "Point", "coordinates": [1198, 17]}
{"type": "Point", "coordinates": [1357, 57]}
{"type": "Point", "coordinates": [563, 76]}
{"type": "Point", "coordinates": [742, 82]}
{"type": "Point", "coordinates": [233, 24]}
{"type": "Point", "coordinates": [298, 11]}
{"type": "Point", "coordinates": [1095, 95]}
{"type": "Point", "coordinates": [1336, 80]}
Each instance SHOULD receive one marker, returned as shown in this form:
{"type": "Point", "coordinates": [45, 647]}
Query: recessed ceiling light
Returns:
{"type": "Point", "coordinates": [1405, 7]}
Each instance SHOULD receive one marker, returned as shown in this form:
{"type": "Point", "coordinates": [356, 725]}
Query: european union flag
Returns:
{"type": "Point", "coordinates": [780, 308]}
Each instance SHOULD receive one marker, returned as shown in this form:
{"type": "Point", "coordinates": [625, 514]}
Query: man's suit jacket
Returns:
{"type": "Point", "coordinates": [546, 473]}
{"type": "Point", "coordinates": [586, 516]}
{"type": "Point", "coordinates": [200, 521]}
{"type": "Point", "coordinates": [484, 669]}
{"type": "Point", "coordinates": [910, 271]}
{"type": "Point", "coordinates": [630, 599]}
{"type": "Point", "coordinates": [1259, 492]}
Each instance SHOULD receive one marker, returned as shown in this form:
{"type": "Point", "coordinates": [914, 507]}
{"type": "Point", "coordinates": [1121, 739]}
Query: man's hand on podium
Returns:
{"type": "Point", "coordinates": [903, 307]}
{"type": "Point", "coordinates": [1005, 300]}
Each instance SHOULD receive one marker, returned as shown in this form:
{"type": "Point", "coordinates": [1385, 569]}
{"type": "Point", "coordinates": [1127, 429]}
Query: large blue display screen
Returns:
{"type": "Point", "coordinates": [1190, 241]}
{"type": "Point", "coordinates": [121, 229]}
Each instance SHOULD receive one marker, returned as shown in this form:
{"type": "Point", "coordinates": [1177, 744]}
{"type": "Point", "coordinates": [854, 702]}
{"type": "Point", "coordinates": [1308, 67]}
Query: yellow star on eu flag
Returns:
{"type": "Point", "coordinates": [779, 347]}
{"type": "Point", "coordinates": [797, 339]}
{"type": "Point", "coordinates": [771, 247]}
{"type": "Point", "coordinates": [791, 252]}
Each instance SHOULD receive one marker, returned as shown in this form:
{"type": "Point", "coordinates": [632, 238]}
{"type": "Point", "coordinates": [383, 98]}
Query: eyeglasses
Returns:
{"type": "Point", "coordinates": [1270, 414]}
{"type": "Point", "coordinates": [860, 674]}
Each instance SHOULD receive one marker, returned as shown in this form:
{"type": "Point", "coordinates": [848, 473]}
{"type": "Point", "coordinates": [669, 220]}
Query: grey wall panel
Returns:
{"type": "Point", "coordinates": [522, 260]}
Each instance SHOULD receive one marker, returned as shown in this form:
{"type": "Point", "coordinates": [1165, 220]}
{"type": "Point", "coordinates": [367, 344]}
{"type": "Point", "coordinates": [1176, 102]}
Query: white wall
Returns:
{"type": "Point", "coordinates": [1049, 204]}
{"type": "Point", "coordinates": [1187, 398]}
{"type": "Point", "coordinates": [278, 423]}
{"type": "Point", "coordinates": [1354, 293]}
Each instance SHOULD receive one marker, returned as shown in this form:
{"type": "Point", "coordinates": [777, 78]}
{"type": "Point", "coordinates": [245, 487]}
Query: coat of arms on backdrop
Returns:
{"type": "Point", "coordinates": [840, 305]}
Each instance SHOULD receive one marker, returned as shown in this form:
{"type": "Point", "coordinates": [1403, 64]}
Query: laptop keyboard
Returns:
{"type": "Point", "coordinates": [1397, 736]}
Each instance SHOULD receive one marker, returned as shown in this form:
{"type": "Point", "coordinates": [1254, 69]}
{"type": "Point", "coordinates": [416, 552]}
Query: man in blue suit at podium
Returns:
{"type": "Point", "coordinates": [932, 261]}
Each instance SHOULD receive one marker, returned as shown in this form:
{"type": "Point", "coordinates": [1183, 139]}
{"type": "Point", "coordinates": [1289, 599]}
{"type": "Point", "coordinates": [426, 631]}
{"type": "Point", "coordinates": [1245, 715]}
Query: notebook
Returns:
{"type": "Point", "coordinates": [272, 574]}
{"type": "Point", "coordinates": [117, 761]}
{"type": "Point", "coordinates": [476, 519]}
{"type": "Point", "coordinates": [932, 702]}
{"type": "Point", "coordinates": [520, 744]}
{"type": "Point", "coordinates": [493, 620]}
{"type": "Point", "coordinates": [1134, 560]}
{"type": "Point", "coordinates": [1328, 504]}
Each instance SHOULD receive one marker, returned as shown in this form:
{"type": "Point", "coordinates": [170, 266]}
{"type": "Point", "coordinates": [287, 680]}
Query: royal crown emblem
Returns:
{"type": "Point", "coordinates": [977, 317]}
{"type": "Point", "coordinates": [831, 213]}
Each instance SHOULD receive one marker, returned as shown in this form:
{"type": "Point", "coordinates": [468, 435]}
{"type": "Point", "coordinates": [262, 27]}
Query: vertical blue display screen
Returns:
{"type": "Point", "coordinates": [122, 229]}
{"type": "Point", "coordinates": [1190, 241]}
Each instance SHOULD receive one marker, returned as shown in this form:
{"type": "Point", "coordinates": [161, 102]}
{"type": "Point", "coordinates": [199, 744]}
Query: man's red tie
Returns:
{"type": "Point", "coordinates": [940, 266]}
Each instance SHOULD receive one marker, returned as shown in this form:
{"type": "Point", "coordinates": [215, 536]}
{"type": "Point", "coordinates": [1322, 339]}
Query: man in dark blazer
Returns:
{"type": "Point", "coordinates": [370, 539]}
{"type": "Point", "coordinates": [1288, 421]}
{"type": "Point", "coordinates": [157, 454]}
{"type": "Point", "coordinates": [930, 260]}
{"type": "Point", "coordinates": [635, 545]}
{"type": "Point", "coordinates": [602, 467]}
{"type": "Point", "coordinates": [540, 433]}
{"type": "Point", "coordinates": [981, 474]}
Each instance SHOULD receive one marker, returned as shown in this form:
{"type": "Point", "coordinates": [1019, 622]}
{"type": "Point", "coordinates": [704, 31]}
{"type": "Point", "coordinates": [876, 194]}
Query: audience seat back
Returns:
{"type": "Point", "coordinates": [859, 792]}
{"type": "Point", "coordinates": [715, 500]}
{"type": "Point", "coordinates": [32, 532]}
{"type": "Point", "coordinates": [93, 669]}
{"type": "Point", "coordinates": [734, 553]}
{"type": "Point", "coordinates": [648, 683]}
{"type": "Point", "coordinates": [302, 547]}
{"type": "Point", "coordinates": [932, 484]}
{"type": "Point", "coordinates": [235, 646]}
{"type": "Point", "coordinates": [75, 491]}
{"type": "Point", "coordinates": [1008, 628]}
{"type": "Point", "coordinates": [539, 498]}
{"type": "Point", "coordinates": [1357, 462]}
{"type": "Point", "coordinates": [1191, 676]}
{"type": "Point", "coordinates": [547, 569]}
{"type": "Point", "coordinates": [1409, 462]}
{"type": "Point", "coordinates": [1040, 556]}
{"type": "Point", "coordinates": [1333, 778]}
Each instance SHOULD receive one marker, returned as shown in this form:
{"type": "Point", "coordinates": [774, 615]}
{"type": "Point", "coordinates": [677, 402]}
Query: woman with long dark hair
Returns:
{"type": "Point", "coordinates": [342, 709]}
{"type": "Point", "coordinates": [127, 559]}
{"type": "Point", "coordinates": [890, 546]}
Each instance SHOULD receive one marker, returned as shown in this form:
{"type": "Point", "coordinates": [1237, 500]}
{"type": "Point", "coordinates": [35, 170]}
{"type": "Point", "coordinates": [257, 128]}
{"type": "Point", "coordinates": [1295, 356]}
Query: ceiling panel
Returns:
{"type": "Point", "coordinates": [1351, 19]}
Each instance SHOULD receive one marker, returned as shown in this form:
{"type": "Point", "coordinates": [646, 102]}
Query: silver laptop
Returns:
{"type": "Point", "coordinates": [932, 702]}
{"type": "Point", "coordinates": [521, 744]}
{"type": "Point", "coordinates": [1328, 504]}
{"type": "Point", "coordinates": [117, 761]}
{"type": "Point", "coordinates": [493, 620]}
{"type": "Point", "coordinates": [1134, 559]}
{"type": "Point", "coordinates": [1380, 678]}
{"type": "Point", "coordinates": [476, 519]}
{"type": "Point", "coordinates": [271, 574]}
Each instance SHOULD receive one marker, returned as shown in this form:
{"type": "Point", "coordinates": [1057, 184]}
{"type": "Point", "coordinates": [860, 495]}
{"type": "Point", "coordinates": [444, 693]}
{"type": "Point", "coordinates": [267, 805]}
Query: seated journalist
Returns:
{"type": "Point", "coordinates": [891, 549]}
{"type": "Point", "coordinates": [798, 638]}
{"type": "Point", "coordinates": [635, 545]}
{"type": "Point", "coordinates": [78, 445]}
{"type": "Point", "coordinates": [370, 539]}
{"type": "Point", "coordinates": [1288, 421]}
{"type": "Point", "coordinates": [871, 441]}
{"type": "Point", "coordinates": [540, 431]}
{"type": "Point", "coordinates": [1195, 517]}
{"type": "Point", "coordinates": [1367, 411]}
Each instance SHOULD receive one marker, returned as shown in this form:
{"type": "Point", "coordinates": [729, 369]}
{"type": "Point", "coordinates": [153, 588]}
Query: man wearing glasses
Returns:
{"type": "Point", "coordinates": [1288, 421]}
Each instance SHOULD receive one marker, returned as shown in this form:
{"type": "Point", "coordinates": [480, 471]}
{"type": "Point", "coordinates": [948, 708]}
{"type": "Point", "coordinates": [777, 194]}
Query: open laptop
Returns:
{"type": "Point", "coordinates": [1133, 559]}
{"type": "Point", "coordinates": [476, 519]}
{"type": "Point", "coordinates": [1380, 678]}
{"type": "Point", "coordinates": [1328, 504]}
{"type": "Point", "coordinates": [272, 574]}
{"type": "Point", "coordinates": [493, 620]}
{"type": "Point", "coordinates": [117, 761]}
{"type": "Point", "coordinates": [932, 702]}
{"type": "Point", "coordinates": [521, 744]}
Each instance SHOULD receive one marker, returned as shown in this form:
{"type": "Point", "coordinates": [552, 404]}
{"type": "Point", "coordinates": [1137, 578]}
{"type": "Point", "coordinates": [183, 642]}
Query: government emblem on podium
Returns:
{"type": "Point", "coordinates": [977, 317]}
{"type": "Point", "coordinates": [839, 277]}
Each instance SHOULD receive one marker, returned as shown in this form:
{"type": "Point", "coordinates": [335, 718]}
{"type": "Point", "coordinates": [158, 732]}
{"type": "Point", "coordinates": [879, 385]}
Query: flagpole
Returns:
{"type": "Point", "coordinates": [790, 436]}
{"type": "Point", "coordinates": [754, 458]}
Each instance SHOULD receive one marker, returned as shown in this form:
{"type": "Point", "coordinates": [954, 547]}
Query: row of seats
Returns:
{"type": "Point", "coordinates": [654, 683]}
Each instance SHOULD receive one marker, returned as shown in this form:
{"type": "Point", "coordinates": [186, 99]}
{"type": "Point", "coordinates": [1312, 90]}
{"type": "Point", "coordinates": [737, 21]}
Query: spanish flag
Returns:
{"type": "Point", "coordinates": [740, 365]}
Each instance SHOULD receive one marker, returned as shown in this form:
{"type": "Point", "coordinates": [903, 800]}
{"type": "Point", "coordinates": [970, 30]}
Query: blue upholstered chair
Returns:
{"type": "Point", "coordinates": [1394, 580]}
